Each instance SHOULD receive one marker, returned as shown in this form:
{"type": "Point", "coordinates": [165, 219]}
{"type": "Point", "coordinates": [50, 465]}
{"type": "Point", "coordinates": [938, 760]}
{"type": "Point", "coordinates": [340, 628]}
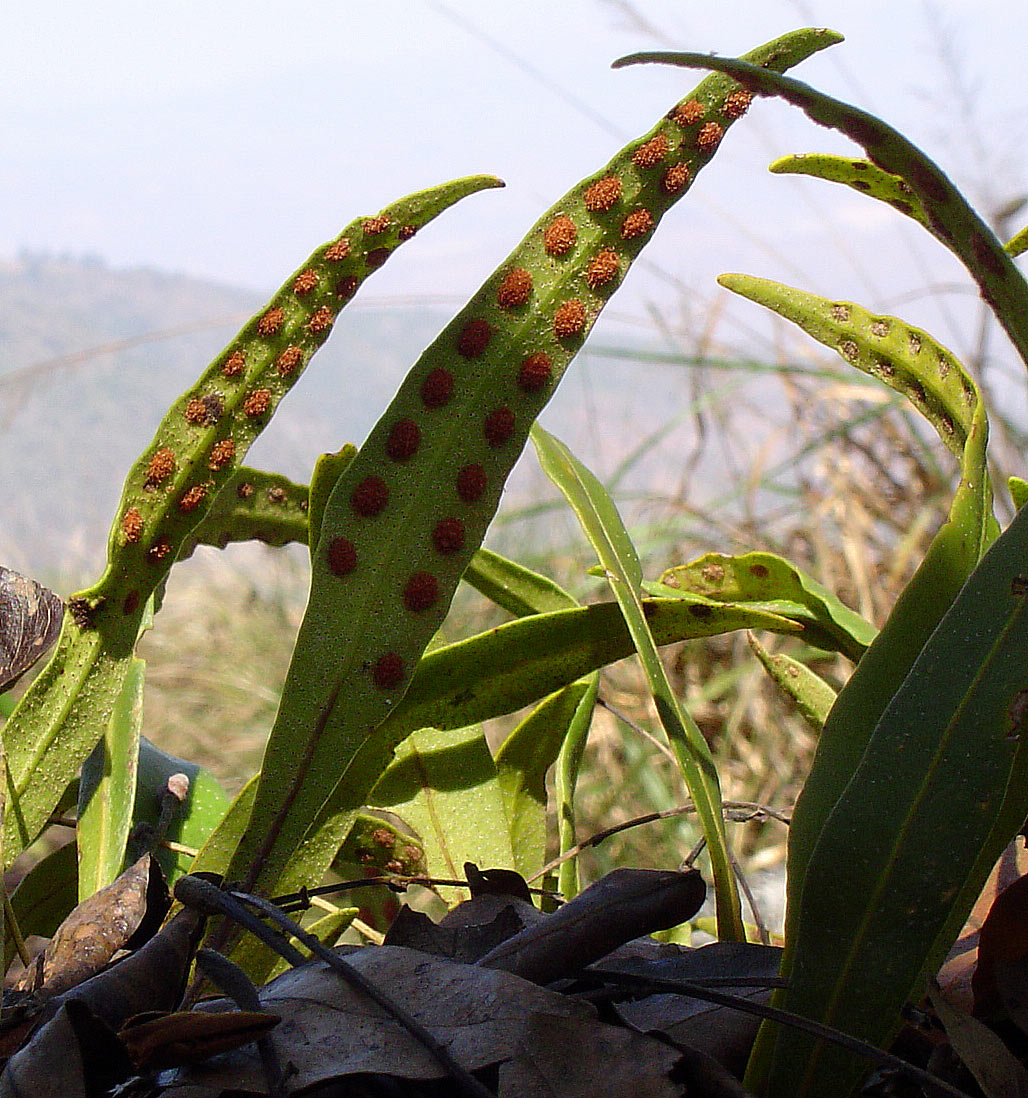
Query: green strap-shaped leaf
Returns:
{"type": "Point", "coordinates": [405, 518]}
{"type": "Point", "coordinates": [523, 761]}
{"type": "Point", "coordinates": [950, 218]}
{"type": "Point", "coordinates": [1017, 244]}
{"type": "Point", "coordinates": [603, 527]}
{"type": "Point", "coordinates": [811, 695]}
{"type": "Point", "coordinates": [327, 471]}
{"type": "Point", "coordinates": [253, 506]}
{"type": "Point", "coordinates": [516, 589]}
{"type": "Point", "coordinates": [107, 788]}
{"type": "Point", "coordinates": [862, 175]}
{"type": "Point", "coordinates": [767, 580]}
{"type": "Point", "coordinates": [204, 809]}
{"type": "Point", "coordinates": [522, 661]}
{"type": "Point", "coordinates": [912, 363]}
{"type": "Point", "coordinates": [569, 764]}
{"type": "Point", "coordinates": [194, 454]}
{"type": "Point", "coordinates": [444, 785]}
{"type": "Point", "coordinates": [909, 830]}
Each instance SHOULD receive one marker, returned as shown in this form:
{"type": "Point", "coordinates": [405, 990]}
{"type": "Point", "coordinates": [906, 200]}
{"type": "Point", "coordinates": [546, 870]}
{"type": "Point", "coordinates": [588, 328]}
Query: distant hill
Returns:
{"type": "Point", "coordinates": [90, 358]}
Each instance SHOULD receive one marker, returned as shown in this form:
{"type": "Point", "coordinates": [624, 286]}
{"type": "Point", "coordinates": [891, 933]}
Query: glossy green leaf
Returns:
{"type": "Point", "coordinates": [922, 803]}
{"type": "Point", "coordinates": [861, 175]}
{"type": "Point", "coordinates": [606, 533]}
{"type": "Point", "coordinates": [405, 518]}
{"type": "Point", "coordinates": [811, 695]}
{"type": "Point", "coordinates": [107, 789]}
{"type": "Point", "coordinates": [523, 761]}
{"type": "Point", "coordinates": [444, 785]}
{"type": "Point", "coordinates": [776, 585]}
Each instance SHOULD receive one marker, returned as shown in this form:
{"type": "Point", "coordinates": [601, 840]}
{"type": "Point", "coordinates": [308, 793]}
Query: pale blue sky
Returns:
{"type": "Point", "coordinates": [227, 140]}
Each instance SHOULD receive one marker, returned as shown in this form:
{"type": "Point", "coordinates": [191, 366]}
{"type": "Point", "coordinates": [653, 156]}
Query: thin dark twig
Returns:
{"type": "Point", "coordinates": [300, 901]}
{"type": "Point", "coordinates": [736, 811]}
{"type": "Point", "coordinates": [783, 1017]}
{"type": "Point", "coordinates": [468, 1084]}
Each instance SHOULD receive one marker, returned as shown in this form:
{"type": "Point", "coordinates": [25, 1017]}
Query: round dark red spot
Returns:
{"type": "Point", "coordinates": [437, 388]}
{"type": "Point", "coordinates": [388, 671]}
{"type": "Point", "coordinates": [404, 440]}
{"type": "Point", "coordinates": [499, 426]}
{"type": "Point", "coordinates": [369, 497]}
{"type": "Point", "coordinates": [448, 535]}
{"type": "Point", "coordinates": [342, 556]}
{"type": "Point", "coordinates": [474, 338]}
{"type": "Point", "coordinates": [471, 482]}
{"type": "Point", "coordinates": [420, 591]}
{"type": "Point", "coordinates": [535, 373]}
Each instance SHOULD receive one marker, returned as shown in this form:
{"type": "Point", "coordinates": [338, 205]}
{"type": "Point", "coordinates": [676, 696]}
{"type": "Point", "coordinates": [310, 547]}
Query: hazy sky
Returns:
{"type": "Point", "coordinates": [227, 140]}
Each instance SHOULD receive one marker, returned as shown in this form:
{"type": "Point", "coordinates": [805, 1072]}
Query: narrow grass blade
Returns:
{"type": "Point", "coordinates": [908, 831]}
{"type": "Point", "coordinates": [606, 532]}
{"type": "Point", "coordinates": [861, 175]}
{"type": "Point", "coordinates": [523, 761]}
{"type": "Point", "coordinates": [950, 217]}
{"type": "Point", "coordinates": [811, 695]}
{"type": "Point", "coordinates": [404, 519]}
{"type": "Point", "coordinates": [769, 581]}
{"type": "Point", "coordinates": [569, 763]}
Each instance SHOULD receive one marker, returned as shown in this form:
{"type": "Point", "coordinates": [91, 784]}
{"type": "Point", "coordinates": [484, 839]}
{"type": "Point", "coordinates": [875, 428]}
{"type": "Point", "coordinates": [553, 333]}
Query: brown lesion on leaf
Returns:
{"type": "Point", "coordinates": [234, 365]}
{"type": "Point", "coordinates": [569, 319]}
{"type": "Point", "coordinates": [305, 282]}
{"type": "Point", "coordinates": [603, 194]}
{"type": "Point", "coordinates": [271, 322]}
{"type": "Point", "coordinates": [652, 152]}
{"type": "Point", "coordinates": [206, 410]}
{"type": "Point", "coordinates": [637, 223]}
{"type": "Point", "coordinates": [132, 524]}
{"type": "Point", "coordinates": [221, 454]}
{"type": "Point", "coordinates": [560, 236]}
{"type": "Point", "coordinates": [158, 551]}
{"type": "Point", "coordinates": [338, 250]}
{"type": "Point", "coordinates": [257, 403]}
{"type": "Point", "coordinates": [244, 490]}
{"type": "Point", "coordinates": [688, 113]}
